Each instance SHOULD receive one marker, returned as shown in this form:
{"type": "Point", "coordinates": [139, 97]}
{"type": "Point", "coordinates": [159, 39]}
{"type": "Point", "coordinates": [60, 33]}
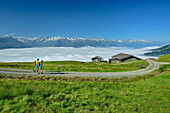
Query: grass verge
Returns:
{"type": "Point", "coordinates": [74, 66]}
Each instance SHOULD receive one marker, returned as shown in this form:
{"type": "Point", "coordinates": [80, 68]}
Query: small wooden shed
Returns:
{"type": "Point", "coordinates": [97, 59]}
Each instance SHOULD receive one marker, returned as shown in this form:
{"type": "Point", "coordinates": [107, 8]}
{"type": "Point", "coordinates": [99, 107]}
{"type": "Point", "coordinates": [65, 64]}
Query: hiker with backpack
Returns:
{"type": "Point", "coordinates": [36, 65]}
{"type": "Point", "coordinates": [40, 67]}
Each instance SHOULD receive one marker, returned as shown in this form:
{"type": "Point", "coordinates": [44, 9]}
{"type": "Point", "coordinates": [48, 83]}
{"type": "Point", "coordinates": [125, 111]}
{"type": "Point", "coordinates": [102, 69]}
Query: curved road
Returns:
{"type": "Point", "coordinates": [151, 67]}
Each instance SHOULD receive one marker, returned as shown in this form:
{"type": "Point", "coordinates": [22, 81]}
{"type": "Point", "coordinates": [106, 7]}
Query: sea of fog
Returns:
{"type": "Point", "coordinates": [67, 53]}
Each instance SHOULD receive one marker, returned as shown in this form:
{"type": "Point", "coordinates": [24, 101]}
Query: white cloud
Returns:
{"type": "Point", "coordinates": [12, 34]}
{"type": "Point", "coordinates": [66, 53]}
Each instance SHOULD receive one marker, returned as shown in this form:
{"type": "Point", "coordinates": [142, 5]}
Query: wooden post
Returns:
{"type": "Point", "coordinates": [158, 67]}
{"type": "Point", "coordinates": [62, 67]}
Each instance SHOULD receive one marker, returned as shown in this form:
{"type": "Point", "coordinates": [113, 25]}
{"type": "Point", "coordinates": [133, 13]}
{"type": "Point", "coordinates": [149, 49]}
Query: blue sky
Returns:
{"type": "Point", "coordinates": [108, 19]}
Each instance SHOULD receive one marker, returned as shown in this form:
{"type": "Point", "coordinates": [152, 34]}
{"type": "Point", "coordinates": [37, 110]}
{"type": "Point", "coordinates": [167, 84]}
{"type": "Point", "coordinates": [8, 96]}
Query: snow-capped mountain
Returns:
{"type": "Point", "coordinates": [45, 41]}
{"type": "Point", "coordinates": [9, 42]}
{"type": "Point", "coordinates": [24, 40]}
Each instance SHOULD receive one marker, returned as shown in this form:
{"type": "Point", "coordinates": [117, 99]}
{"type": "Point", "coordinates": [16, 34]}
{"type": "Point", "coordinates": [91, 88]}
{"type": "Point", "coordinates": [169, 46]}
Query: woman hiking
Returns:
{"type": "Point", "coordinates": [40, 67]}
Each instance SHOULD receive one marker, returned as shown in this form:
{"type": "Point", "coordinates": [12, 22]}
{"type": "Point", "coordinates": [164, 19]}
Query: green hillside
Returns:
{"type": "Point", "coordinates": [9, 42]}
{"type": "Point", "coordinates": [67, 95]}
{"type": "Point", "coordinates": [164, 58]}
{"type": "Point", "coordinates": [160, 51]}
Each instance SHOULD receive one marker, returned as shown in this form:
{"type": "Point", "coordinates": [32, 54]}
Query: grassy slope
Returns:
{"type": "Point", "coordinates": [141, 95]}
{"type": "Point", "coordinates": [160, 51]}
{"type": "Point", "coordinates": [164, 58]}
{"type": "Point", "coordinates": [79, 66]}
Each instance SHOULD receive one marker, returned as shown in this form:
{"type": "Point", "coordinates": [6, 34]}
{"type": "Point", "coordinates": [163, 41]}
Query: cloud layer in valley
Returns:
{"type": "Point", "coordinates": [66, 53]}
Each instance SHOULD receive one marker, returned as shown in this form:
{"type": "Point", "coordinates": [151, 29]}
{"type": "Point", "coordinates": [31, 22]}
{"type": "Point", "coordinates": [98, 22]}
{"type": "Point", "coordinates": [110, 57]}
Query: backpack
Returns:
{"type": "Point", "coordinates": [34, 62]}
{"type": "Point", "coordinates": [38, 64]}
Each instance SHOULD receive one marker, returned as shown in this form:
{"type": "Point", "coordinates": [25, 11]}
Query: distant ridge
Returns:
{"type": "Point", "coordinates": [44, 41]}
{"type": "Point", "coordinates": [9, 42]}
{"type": "Point", "coordinates": [160, 51]}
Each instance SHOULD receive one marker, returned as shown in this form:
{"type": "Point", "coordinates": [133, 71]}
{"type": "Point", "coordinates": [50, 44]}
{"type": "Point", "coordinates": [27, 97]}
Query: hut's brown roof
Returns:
{"type": "Point", "coordinates": [122, 56]}
{"type": "Point", "coordinates": [97, 57]}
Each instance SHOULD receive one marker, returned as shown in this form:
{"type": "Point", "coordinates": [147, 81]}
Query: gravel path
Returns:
{"type": "Point", "coordinates": [151, 67]}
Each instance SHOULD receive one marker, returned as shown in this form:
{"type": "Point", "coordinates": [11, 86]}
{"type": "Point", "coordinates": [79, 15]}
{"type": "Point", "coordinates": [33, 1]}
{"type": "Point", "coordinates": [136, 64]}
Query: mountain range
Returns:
{"type": "Point", "coordinates": [160, 51]}
{"type": "Point", "coordinates": [10, 42]}
{"type": "Point", "coordinates": [44, 41]}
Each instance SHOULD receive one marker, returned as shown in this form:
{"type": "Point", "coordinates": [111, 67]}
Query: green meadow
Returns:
{"type": "Point", "coordinates": [75, 66]}
{"type": "Point", "coordinates": [149, 93]}
{"type": "Point", "coordinates": [164, 58]}
{"type": "Point", "coordinates": [56, 94]}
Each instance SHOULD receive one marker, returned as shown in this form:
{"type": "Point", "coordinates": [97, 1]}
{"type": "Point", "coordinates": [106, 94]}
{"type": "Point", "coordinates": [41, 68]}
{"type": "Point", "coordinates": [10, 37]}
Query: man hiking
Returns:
{"type": "Point", "coordinates": [36, 65]}
{"type": "Point", "coordinates": [40, 67]}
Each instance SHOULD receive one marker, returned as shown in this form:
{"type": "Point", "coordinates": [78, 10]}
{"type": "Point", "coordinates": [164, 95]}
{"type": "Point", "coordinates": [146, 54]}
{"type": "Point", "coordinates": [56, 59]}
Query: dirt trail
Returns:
{"type": "Point", "coordinates": [151, 67]}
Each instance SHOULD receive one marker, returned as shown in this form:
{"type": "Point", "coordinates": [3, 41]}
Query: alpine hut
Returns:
{"type": "Point", "coordinates": [97, 59]}
{"type": "Point", "coordinates": [122, 57]}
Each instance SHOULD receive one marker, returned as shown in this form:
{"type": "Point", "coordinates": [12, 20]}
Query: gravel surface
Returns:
{"type": "Point", "coordinates": [151, 67]}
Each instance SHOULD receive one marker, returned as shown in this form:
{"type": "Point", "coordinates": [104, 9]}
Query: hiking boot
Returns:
{"type": "Point", "coordinates": [41, 72]}
{"type": "Point", "coordinates": [33, 70]}
{"type": "Point", "coordinates": [37, 70]}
